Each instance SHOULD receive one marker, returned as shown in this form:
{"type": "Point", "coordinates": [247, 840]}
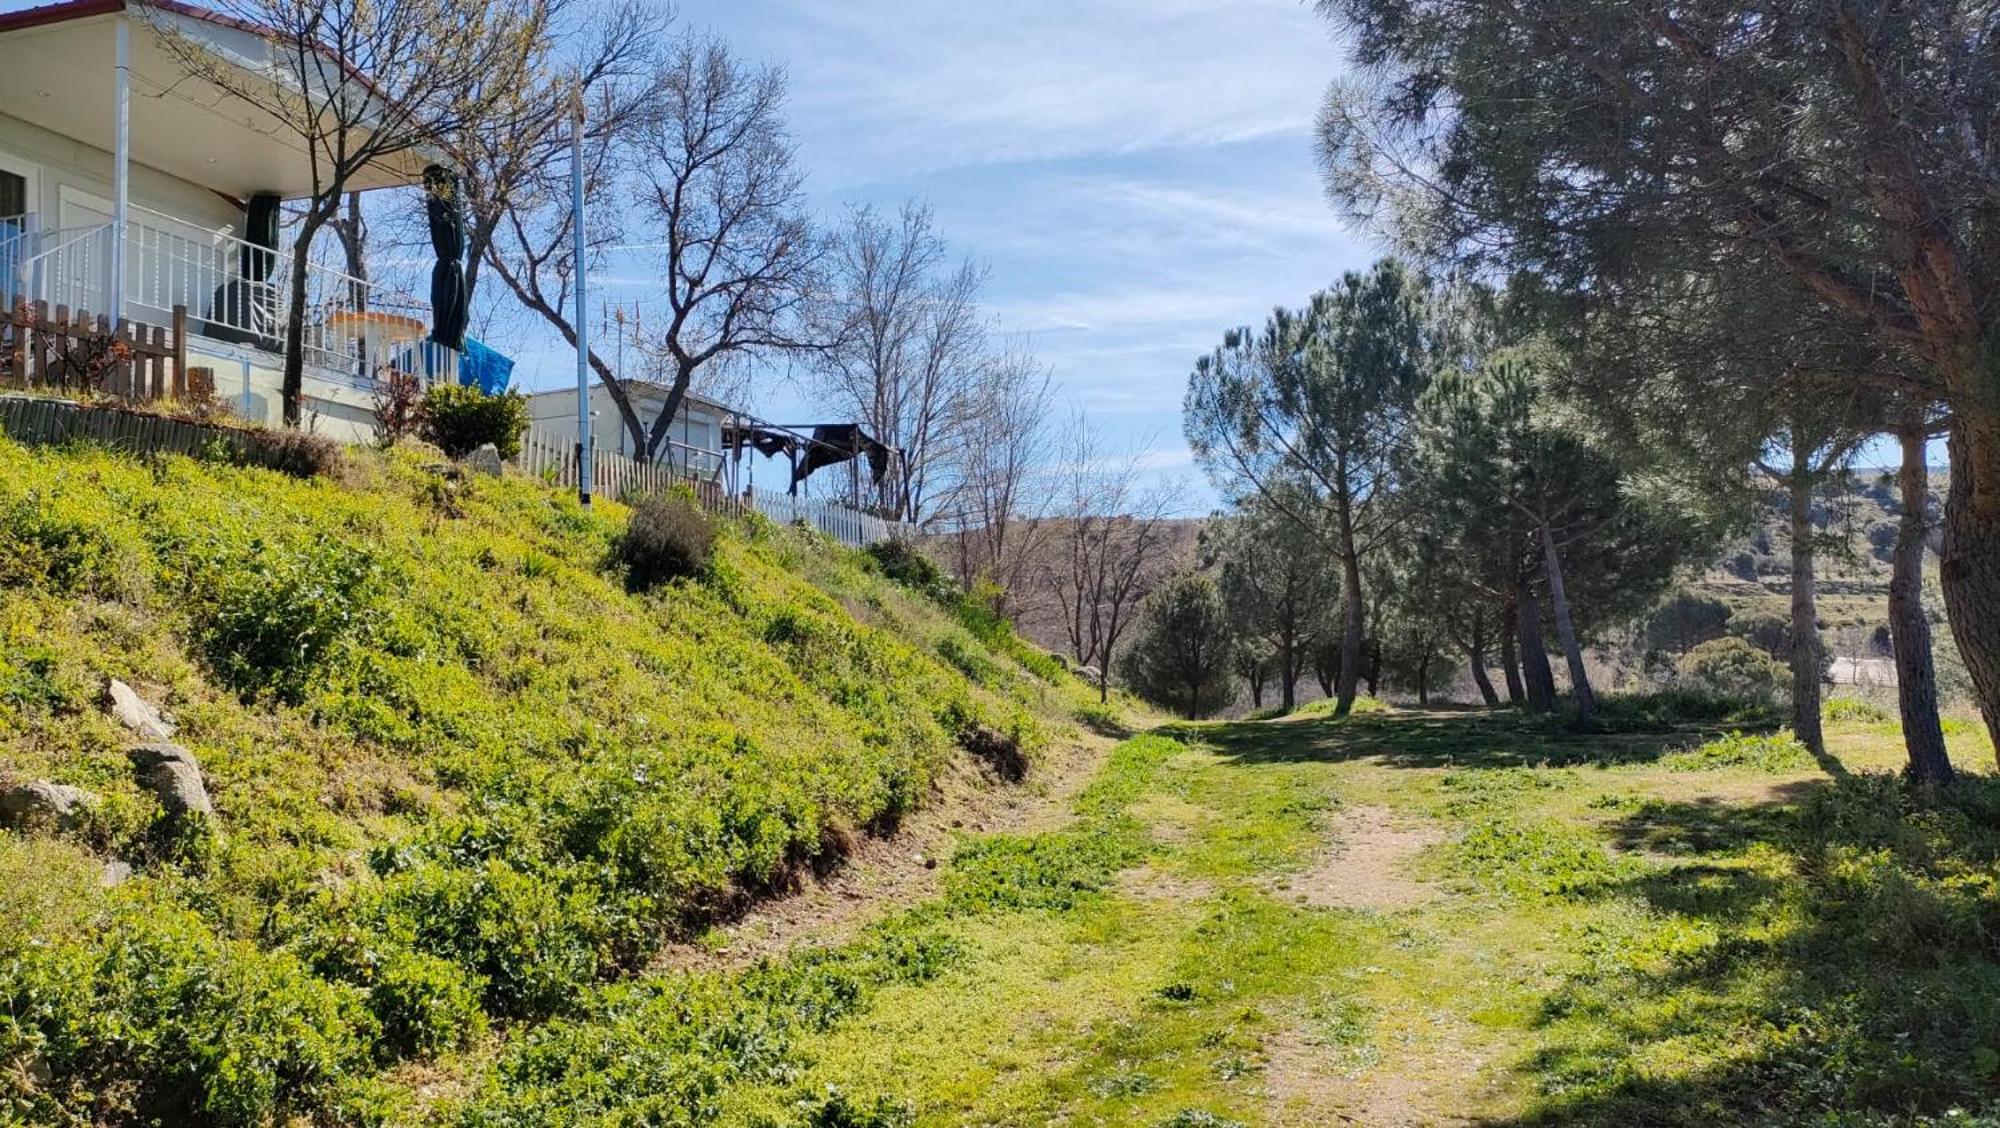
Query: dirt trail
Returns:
{"type": "Point", "coordinates": [1368, 867]}
{"type": "Point", "coordinates": [884, 874]}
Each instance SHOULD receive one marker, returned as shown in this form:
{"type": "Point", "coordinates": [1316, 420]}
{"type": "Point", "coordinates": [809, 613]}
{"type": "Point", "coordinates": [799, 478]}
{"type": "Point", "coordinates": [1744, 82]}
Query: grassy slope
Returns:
{"type": "Point", "coordinates": [1625, 929]}
{"type": "Point", "coordinates": [461, 776]}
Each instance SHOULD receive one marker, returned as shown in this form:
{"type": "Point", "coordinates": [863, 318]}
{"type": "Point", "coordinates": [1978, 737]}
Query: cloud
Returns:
{"type": "Point", "coordinates": [946, 84]}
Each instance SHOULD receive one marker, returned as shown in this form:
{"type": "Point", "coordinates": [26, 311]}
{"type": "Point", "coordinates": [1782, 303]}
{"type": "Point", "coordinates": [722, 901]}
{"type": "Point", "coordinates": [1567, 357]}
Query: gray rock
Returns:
{"type": "Point", "coordinates": [135, 713]}
{"type": "Point", "coordinates": [486, 460]}
{"type": "Point", "coordinates": [42, 803]}
{"type": "Point", "coordinates": [172, 774]}
{"type": "Point", "coordinates": [115, 873]}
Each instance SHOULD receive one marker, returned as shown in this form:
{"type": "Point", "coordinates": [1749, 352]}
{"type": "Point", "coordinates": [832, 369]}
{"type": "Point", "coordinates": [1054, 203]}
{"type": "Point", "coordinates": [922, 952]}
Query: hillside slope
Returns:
{"type": "Point", "coordinates": [460, 776]}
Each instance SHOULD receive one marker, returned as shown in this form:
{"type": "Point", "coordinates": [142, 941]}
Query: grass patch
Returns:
{"type": "Point", "coordinates": [1772, 753]}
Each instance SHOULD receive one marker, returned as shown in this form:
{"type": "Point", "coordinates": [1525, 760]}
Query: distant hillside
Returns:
{"type": "Point", "coordinates": [459, 776]}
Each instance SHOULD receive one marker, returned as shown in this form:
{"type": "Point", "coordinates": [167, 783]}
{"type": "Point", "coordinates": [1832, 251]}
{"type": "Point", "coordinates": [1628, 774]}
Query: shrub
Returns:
{"type": "Point", "coordinates": [902, 561]}
{"type": "Point", "coordinates": [1180, 659]}
{"type": "Point", "coordinates": [159, 1021]}
{"type": "Point", "coordinates": [460, 420]}
{"type": "Point", "coordinates": [275, 617]}
{"type": "Point", "coordinates": [1731, 667]}
{"type": "Point", "coordinates": [668, 537]}
{"type": "Point", "coordinates": [1764, 752]}
{"type": "Point", "coordinates": [1853, 709]}
{"type": "Point", "coordinates": [290, 451]}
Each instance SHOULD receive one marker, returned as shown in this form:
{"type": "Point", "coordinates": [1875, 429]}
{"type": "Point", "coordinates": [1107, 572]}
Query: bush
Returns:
{"type": "Point", "coordinates": [1840, 709]}
{"type": "Point", "coordinates": [1774, 752]}
{"type": "Point", "coordinates": [290, 451]}
{"type": "Point", "coordinates": [460, 420]}
{"type": "Point", "coordinates": [274, 617]}
{"type": "Point", "coordinates": [1731, 667]}
{"type": "Point", "coordinates": [668, 537]}
{"type": "Point", "coordinates": [905, 563]}
{"type": "Point", "coordinates": [1180, 659]}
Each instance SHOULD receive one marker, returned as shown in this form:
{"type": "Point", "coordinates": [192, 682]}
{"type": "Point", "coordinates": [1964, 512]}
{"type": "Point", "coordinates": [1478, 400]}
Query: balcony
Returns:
{"type": "Point", "coordinates": [234, 294]}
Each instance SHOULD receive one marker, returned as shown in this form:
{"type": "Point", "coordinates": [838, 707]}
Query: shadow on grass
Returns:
{"type": "Point", "coordinates": [1819, 951]}
{"type": "Point", "coordinates": [1437, 738]}
{"type": "Point", "coordinates": [1827, 955]}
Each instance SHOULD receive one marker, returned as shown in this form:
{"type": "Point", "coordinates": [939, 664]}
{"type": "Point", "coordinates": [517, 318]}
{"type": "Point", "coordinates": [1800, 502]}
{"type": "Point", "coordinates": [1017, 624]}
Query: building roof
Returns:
{"type": "Point", "coordinates": [646, 387]}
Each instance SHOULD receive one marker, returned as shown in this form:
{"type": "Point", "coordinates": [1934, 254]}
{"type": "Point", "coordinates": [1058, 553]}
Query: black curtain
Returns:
{"type": "Point", "coordinates": [450, 304]}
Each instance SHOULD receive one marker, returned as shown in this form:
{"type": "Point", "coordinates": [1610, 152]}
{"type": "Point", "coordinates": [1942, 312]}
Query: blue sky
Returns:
{"type": "Point", "coordinates": [1138, 174]}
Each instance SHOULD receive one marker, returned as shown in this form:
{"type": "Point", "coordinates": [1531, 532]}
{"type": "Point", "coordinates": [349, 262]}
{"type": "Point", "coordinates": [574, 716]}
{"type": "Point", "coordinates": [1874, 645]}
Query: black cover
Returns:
{"type": "Point", "coordinates": [260, 229]}
{"type": "Point", "coordinates": [450, 304]}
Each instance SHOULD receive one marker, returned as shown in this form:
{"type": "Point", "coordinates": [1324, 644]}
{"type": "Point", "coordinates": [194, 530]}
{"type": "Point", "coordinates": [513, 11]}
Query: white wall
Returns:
{"type": "Point", "coordinates": [63, 162]}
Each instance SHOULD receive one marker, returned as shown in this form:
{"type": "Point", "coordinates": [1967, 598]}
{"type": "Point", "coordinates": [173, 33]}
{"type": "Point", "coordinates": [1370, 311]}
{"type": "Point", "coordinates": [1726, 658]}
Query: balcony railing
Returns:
{"type": "Point", "coordinates": [234, 291]}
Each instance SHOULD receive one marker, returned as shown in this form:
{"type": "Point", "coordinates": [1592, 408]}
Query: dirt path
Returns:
{"type": "Point", "coordinates": [883, 874]}
{"type": "Point", "coordinates": [1369, 866]}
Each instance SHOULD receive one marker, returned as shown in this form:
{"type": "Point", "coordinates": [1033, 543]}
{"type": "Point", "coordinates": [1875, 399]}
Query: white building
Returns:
{"type": "Point", "coordinates": [196, 160]}
{"type": "Point", "coordinates": [694, 443]}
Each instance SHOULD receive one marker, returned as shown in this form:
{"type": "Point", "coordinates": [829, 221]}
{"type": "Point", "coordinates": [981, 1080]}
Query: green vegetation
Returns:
{"type": "Point", "coordinates": [459, 420]}
{"type": "Point", "coordinates": [464, 783]}
{"type": "Point", "coordinates": [1215, 939]}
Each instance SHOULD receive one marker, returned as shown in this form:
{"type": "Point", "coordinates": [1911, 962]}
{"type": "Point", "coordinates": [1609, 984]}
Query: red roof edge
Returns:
{"type": "Point", "coordinates": [58, 13]}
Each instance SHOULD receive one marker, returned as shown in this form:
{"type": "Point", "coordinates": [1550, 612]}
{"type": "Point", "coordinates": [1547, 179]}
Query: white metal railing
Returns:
{"type": "Point", "coordinates": [233, 291]}
{"type": "Point", "coordinates": [615, 475]}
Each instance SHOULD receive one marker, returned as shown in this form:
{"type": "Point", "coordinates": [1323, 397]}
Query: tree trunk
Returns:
{"type": "Point", "coordinates": [1424, 680]}
{"type": "Point", "coordinates": [1510, 659]}
{"type": "Point", "coordinates": [1805, 614]}
{"type": "Point", "coordinates": [293, 388]}
{"type": "Point", "coordinates": [1916, 677]}
{"type": "Point", "coordinates": [1579, 678]}
{"type": "Point", "coordinates": [1288, 669]}
{"type": "Point", "coordinates": [1256, 690]}
{"type": "Point", "coordinates": [1373, 649]}
{"type": "Point", "coordinates": [1970, 570]}
{"type": "Point", "coordinates": [1541, 681]}
{"type": "Point", "coordinates": [1349, 675]}
{"type": "Point", "coordinates": [1479, 678]}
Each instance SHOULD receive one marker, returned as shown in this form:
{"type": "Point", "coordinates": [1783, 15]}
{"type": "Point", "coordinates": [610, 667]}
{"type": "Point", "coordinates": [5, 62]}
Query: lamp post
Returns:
{"type": "Point", "coordinates": [583, 446]}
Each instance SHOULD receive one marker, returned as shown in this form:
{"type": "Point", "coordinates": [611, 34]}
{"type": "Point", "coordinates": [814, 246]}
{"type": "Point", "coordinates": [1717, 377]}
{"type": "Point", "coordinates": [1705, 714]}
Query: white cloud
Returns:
{"type": "Point", "coordinates": [946, 84]}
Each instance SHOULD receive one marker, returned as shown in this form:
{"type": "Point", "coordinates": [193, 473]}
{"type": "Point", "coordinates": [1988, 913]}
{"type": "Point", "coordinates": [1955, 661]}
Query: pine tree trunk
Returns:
{"type": "Point", "coordinates": [1288, 693]}
{"type": "Point", "coordinates": [1535, 672]}
{"type": "Point", "coordinates": [1479, 678]}
{"type": "Point", "coordinates": [1805, 614]}
{"type": "Point", "coordinates": [1510, 659]}
{"type": "Point", "coordinates": [1910, 632]}
{"type": "Point", "coordinates": [1349, 676]}
{"type": "Point", "coordinates": [1424, 680]}
{"type": "Point", "coordinates": [1579, 678]}
{"type": "Point", "coordinates": [1970, 570]}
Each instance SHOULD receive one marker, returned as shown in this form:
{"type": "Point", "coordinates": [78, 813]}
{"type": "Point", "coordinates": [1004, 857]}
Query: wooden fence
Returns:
{"type": "Point", "coordinates": [52, 422]}
{"type": "Point", "coordinates": [616, 476]}
{"type": "Point", "coordinates": [57, 350]}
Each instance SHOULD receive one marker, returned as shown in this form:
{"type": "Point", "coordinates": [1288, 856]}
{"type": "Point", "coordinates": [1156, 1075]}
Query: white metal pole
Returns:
{"type": "Point", "coordinates": [121, 160]}
{"type": "Point", "coordinates": [583, 447]}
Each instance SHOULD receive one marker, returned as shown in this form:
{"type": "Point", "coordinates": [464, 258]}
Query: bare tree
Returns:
{"type": "Point", "coordinates": [517, 173]}
{"type": "Point", "coordinates": [907, 346]}
{"type": "Point", "coordinates": [721, 184]}
{"type": "Point", "coordinates": [997, 489]}
{"type": "Point", "coordinates": [358, 83]}
{"type": "Point", "coordinates": [1108, 550]}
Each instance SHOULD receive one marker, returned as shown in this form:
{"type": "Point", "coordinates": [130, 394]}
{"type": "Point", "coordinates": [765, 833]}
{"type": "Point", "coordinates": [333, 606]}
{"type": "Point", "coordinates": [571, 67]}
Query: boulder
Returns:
{"type": "Point", "coordinates": [135, 713]}
{"type": "Point", "coordinates": [115, 873]}
{"type": "Point", "coordinates": [41, 803]}
{"type": "Point", "coordinates": [486, 460]}
{"type": "Point", "coordinates": [173, 775]}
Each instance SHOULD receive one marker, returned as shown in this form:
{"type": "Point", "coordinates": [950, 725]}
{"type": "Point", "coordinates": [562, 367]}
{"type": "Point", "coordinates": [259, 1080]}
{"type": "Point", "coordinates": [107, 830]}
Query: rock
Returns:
{"type": "Point", "coordinates": [172, 774]}
{"type": "Point", "coordinates": [115, 873]}
{"type": "Point", "coordinates": [486, 460]}
{"type": "Point", "coordinates": [24, 805]}
{"type": "Point", "coordinates": [136, 714]}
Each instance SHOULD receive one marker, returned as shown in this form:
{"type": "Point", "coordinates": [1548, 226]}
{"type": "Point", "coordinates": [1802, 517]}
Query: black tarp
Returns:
{"type": "Point", "coordinates": [450, 304]}
{"type": "Point", "coordinates": [835, 443]}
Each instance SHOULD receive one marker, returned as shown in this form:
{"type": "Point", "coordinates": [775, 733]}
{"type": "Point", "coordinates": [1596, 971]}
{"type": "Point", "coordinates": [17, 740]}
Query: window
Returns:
{"type": "Point", "coordinates": [13, 197]}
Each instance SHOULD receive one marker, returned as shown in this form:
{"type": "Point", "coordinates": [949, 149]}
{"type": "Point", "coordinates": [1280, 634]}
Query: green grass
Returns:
{"type": "Point", "coordinates": [464, 781]}
{"type": "Point", "coordinates": [1608, 938]}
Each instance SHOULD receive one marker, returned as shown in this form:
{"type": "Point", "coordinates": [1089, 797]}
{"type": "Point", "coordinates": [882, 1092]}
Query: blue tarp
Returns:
{"type": "Point", "coordinates": [478, 366]}
{"type": "Point", "coordinates": [482, 368]}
